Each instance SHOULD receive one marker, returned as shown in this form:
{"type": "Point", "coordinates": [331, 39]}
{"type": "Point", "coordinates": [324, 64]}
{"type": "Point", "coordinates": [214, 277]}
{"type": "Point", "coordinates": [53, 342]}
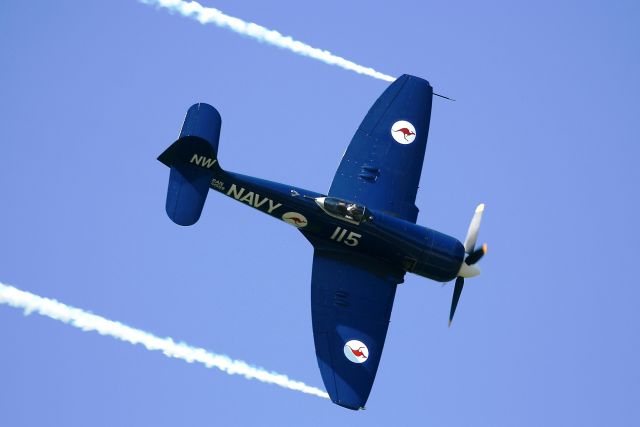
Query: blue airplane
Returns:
{"type": "Point", "coordinates": [363, 232]}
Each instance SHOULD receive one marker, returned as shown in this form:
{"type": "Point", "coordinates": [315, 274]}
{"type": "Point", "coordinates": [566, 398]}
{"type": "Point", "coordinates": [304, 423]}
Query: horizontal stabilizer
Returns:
{"type": "Point", "coordinates": [187, 192]}
{"type": "Point", "coordinates": [189, 150]}
{"type": "Point", "coordinates": [193, 162]}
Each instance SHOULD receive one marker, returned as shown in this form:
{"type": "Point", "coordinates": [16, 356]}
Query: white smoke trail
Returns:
{"type": "Point", "coordinates": [90, 322]}
{"type": "Point", "coordinates": [209, 15]}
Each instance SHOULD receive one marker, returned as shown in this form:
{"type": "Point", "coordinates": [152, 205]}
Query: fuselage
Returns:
{"type": "Point", "coordinates": [402, 244]}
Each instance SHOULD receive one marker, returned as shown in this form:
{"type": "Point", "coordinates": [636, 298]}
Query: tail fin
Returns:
{"type": "Point", "coordinates": [193, 162]}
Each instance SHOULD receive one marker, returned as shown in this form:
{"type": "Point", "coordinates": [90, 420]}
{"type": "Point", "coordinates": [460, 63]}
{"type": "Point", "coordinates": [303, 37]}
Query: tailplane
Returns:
{"type": "Point", "coordinates": [193, 160]}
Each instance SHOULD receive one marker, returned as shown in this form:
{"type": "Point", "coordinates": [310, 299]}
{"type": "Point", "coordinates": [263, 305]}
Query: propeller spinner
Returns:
{"type": "Point", "coordinates": [468, 268]}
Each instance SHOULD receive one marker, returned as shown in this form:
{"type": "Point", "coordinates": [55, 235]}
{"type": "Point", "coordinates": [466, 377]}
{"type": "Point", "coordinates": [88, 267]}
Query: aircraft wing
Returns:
{"type": "Point", "coordinates": [351, 300]}
{"type": "Point", "coordinates": [382, 165]}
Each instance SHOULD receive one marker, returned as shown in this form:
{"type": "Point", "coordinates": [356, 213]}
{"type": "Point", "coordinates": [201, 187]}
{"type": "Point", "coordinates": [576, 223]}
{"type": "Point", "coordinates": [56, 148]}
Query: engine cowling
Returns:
{"type": "Point", "coordinates": [421, 250]}
{"type": "Point", "coordinates": [441, 257]}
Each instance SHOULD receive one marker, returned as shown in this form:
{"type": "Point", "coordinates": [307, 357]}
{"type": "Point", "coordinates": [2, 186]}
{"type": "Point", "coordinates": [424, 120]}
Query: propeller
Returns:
{"type": "Point", "coordinates": [467, 269]}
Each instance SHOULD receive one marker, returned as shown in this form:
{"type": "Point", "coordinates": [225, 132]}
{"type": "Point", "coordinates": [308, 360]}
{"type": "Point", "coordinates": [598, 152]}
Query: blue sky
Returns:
{"type": "Point", "coordinates": [544, 131]}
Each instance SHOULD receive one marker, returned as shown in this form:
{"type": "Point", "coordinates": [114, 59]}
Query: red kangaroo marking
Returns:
{"type": "Point", "coordinates": [296, 220]}
{"type": "Point", "coordinates": [405, 132]}
{"type": "Point", "coordinates": [357, 352]}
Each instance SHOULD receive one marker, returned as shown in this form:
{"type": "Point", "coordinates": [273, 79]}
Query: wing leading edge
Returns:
{"type": "Point", "coordinates": [382, 165]}
{"type": "Point", "coordinates": [351, 301]}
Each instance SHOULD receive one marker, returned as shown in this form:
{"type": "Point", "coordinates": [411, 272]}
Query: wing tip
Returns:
{"type": "Point", "coordinates": [349, 406]}
{"type": "Point", "coordinates": [412, 77]}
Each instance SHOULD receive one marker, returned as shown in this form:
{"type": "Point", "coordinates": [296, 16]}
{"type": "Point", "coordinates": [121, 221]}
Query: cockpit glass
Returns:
{"type": "Point", "coordinates": [349, 211]}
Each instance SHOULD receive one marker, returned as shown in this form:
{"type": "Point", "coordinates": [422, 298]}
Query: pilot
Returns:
{"type": "Point", "coordinates": [355, 211]}
{"type": "Point", "coordinates": [342, 209]}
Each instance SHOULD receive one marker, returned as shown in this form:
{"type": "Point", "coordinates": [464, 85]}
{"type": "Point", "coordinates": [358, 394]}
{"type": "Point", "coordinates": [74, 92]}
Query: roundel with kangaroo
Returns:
{"type": "Point", "coordinates": [356, 351]}
{"type": "Point", "coordinates": [296, 219]}
{"type": "Point", "coordinates": [403, 132]}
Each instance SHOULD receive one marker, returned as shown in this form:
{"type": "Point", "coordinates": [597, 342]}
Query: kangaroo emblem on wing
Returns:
{"type": "Point", "coordinates": [357, 352]}
{"type": "Point", "coordinates": [405, 132]}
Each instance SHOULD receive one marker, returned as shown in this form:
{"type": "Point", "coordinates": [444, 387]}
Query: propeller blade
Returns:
{"type": "Point", "coordinates": [476, 255]}
{"type": "Point", "coordinates": [456, 297]}
{"type": "Point", "coordinates": [474, 227]}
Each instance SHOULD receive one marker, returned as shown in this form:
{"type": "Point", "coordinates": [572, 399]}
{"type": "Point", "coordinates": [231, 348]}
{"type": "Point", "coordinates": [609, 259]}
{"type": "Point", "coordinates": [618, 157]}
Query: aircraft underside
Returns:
{"type": "Point", "coordinates": [363, 231]}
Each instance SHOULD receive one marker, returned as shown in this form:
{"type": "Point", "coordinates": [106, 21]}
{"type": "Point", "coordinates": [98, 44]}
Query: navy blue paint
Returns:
{"type": "Point", "coordinates": [203, 121]}
{"type": "Point", "coordinates": [186, 194]}
{"type": "Point", "coordinates": [188, 185]}
{"type": "Point", "coordinates": [377, 171]}
{"type": "Point", "coordinates": [353, 287]}
{"type": "Point", "coordinates": [351, 298]}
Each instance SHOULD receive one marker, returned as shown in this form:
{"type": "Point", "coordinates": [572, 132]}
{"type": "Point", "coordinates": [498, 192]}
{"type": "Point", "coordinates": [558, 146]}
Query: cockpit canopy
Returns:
{"type": "Point", "coordinates": [342, 209]}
